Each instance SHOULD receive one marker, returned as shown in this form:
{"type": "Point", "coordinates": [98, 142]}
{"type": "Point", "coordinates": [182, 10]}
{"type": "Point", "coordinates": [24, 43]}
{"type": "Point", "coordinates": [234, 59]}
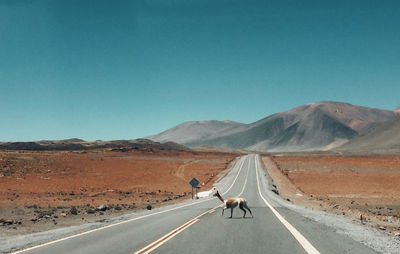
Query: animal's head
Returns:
{"type": "Point", "coordinates": [216, 194]}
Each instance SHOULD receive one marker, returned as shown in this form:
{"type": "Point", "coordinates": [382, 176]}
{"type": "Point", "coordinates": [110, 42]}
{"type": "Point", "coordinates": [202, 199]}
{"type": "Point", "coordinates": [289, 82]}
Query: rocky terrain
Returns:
{"type": "Point", "coordinates": [41, 190]}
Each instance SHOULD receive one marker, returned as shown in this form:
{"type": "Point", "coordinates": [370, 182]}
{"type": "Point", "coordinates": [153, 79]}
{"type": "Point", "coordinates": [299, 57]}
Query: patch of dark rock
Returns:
{"type": "Point", "coordinates": [73, 210]}
{"type": "Point", "coordinates": [101, 208]}
{"type": "Point", "coordinates": [6, 222]}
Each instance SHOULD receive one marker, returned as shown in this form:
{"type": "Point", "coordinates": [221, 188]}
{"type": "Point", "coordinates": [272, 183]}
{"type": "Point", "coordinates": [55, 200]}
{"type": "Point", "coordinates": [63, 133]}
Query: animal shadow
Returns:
{"type": "Point", "coordinates": [238, 218]}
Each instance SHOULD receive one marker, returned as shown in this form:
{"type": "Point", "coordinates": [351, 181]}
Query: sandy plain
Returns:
{"type": "Point", "coordinates": [367, 188]}
{"type": "Point", "coordinates": [50, 189]}
{"type": "Point", "coordinates": [42, 190]}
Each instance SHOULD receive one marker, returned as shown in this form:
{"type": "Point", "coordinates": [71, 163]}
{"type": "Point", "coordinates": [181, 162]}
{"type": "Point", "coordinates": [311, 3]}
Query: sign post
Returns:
{"type": "Point", "coordinates": [194, 183]}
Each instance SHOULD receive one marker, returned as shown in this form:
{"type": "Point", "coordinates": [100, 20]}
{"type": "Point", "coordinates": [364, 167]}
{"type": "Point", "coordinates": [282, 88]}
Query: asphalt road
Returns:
{"type": "Point", "coordinates": [198, 227]}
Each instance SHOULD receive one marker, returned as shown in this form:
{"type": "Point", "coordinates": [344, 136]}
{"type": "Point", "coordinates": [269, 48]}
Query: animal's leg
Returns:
{"type": "Point", "coordinates": [223, 209]}
{"type": "Point", "coordinates": [245, 206]}
{"type": "Point", "coordinates": [231, 212]}
{"type": "Point", "coordinates": [241, 208]}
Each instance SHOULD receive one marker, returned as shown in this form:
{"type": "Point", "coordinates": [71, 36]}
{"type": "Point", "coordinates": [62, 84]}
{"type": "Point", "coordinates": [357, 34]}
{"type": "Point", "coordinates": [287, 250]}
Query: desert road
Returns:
{"type": "Point", "coordinates": [198, 227]}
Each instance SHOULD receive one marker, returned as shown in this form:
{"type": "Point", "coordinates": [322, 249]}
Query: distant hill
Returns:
{"type": "Point", "coordinates": [189, 132]}
{"type": "Point", "coordinates": [382, 139]}
{"type": "Point", "coordinates": [79, 144]}
{"type": "Point", "coordinates": [316, 126]}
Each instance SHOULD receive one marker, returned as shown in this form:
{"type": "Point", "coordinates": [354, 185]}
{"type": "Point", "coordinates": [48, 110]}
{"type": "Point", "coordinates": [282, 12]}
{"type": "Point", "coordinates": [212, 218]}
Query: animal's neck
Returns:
{"type": "Point", "coordinates": [220, 198]}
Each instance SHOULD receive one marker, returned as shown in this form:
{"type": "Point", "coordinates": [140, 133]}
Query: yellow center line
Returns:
{"type": "Point", "coordinates": [122, 222]}
{"type": "Point", "coordinates": [160, 241]}
{"type": "Point", "coordinates": [165, 238]}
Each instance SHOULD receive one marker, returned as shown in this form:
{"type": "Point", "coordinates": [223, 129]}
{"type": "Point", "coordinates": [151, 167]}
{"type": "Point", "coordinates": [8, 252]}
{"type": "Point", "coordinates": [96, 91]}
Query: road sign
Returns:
{"type": "Point", "coordinates": [194, 182]}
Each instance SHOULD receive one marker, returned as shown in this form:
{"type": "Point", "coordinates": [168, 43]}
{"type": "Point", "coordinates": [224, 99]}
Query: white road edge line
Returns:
{"type": "Point", "coordinates": [307, 246]}
{"type": "Point", "coordinates": [237, 175]}
{"type": "Point", "coordinates": [245, 182]}
{"type": "Point", "coordinates": [122, 222]}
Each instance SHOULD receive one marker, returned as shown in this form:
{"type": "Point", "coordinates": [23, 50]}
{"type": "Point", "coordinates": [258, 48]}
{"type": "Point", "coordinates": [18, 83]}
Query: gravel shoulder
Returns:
{"type": "Point", "coordinates": [285, 194]}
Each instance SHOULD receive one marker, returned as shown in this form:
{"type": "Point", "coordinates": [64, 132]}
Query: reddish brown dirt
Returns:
{"type": "Point", "coordinates": [38, 189]}
{"type": "Point", "coordinates": [367, 186]}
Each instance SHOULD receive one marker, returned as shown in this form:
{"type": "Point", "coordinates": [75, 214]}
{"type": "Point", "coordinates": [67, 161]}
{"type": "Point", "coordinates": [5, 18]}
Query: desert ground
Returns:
{"type": "Point", "coordinates": [366, 188]}
{"type": "Point", "coordinates": [41, 190]}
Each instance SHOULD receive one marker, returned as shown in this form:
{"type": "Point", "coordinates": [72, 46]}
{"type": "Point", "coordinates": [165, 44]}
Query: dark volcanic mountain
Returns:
{"type": "Point", "coordinates": [79, 144]}
{"type": "Point", "coordinates": [315, 126]}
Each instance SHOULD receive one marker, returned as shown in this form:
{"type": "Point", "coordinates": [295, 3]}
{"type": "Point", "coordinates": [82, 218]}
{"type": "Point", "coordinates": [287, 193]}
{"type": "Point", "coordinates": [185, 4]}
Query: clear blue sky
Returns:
{"type": "Point", "coordinates": [127, 69]}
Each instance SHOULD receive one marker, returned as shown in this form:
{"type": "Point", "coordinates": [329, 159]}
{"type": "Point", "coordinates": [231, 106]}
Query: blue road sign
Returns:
{"type": "Point", "coordinates": [194, 182]}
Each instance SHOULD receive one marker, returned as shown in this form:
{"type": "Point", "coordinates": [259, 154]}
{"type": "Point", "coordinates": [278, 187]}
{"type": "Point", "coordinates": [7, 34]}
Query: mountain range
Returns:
{"type": "Point", "coordinates": [326, 125]}
{"type": "Point", "coordinates": [316, 126]}
{"type": "Point", "coordinates": [79, 144]}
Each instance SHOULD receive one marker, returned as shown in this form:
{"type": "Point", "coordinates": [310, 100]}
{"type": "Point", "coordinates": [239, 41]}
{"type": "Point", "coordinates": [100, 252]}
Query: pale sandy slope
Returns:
{"type": "Point", "coordinates": [383, 139]}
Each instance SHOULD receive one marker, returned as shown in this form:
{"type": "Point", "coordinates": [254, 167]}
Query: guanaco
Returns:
{"type": "Point", "coordinates": [232, 203]}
